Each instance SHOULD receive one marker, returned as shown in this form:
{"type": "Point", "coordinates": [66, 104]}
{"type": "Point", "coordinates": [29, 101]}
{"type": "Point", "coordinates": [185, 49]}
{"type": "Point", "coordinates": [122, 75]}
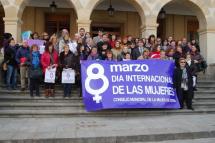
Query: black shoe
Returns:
{"type": "Point", "coordinates": [8, 88]}
{"type": "Point", "coordinates": [194, 89]}
{"type": "Point", "coordinates": [190, 108]}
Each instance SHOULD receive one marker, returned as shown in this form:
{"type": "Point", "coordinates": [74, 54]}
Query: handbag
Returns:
{"type": "Point", "coordinates": [35, 73]}
{"type": "Point", "coordinates": [50, 75]}
{"type": "Point", "coordinates": [4, 66]}
{"type": "Point", "coordinates": [68, 76]}
{"type": "Point", "coordinates": [202, 66]}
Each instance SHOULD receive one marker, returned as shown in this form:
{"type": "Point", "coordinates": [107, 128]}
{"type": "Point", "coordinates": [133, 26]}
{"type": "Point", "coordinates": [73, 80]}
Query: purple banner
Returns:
{"type": "Point", "coordinates": [128, 84]}
{"type": "Point", "coordinates": [36, 42]}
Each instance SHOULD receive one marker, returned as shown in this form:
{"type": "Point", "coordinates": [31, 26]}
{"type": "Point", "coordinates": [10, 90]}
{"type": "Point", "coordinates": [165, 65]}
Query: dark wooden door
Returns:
{"type": "Point", "coordinates": [54, 23]}
{"type": "Point", "coordinates": [192, 29]}
{"type": "Point", "coordinates": [109, 28]}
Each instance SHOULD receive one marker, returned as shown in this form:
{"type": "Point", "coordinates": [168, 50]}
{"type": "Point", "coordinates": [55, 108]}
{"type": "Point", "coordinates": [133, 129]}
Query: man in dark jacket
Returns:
{"type": "Point", "coordinates": [23, 58]}
{"type": "Point", "coordinates": [104, 40]}
{"type": "Point", "coordinates": [183, 83]}
{"type": "Point", "coordinates": [138, 51]}
{"type": "Point", "coordinates": [10, 60]}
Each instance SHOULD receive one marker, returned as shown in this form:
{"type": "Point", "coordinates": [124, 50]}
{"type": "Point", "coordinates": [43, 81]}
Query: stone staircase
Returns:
{"type": "Point", "coordinates": [15, 103]}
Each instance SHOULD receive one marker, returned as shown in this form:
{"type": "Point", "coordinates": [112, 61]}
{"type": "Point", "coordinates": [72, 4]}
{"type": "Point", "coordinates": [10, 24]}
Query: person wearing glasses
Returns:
{"type": "Point", "coordinates": [45, 37]}
{"type": "Point", "coordinates": [183, 83]}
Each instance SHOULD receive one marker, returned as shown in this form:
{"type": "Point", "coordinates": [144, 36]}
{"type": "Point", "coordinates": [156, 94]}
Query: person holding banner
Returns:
{"type": "Point", "coordinates": [45, 37]}
{"type": "Point", "coordinates": [109, 55]}
{"type": "Point", "coordinates": [67, 64]}
{"type": "Point", "coordinates": [94, 54]}
{"type": "Point", "coordinates": [117, 51]}
{"type": "Point", "coordinates": [35, 36]}
{"type": "Point", "coordinates": [183, 83]}
{"type": "Point", "coordinates": [49, 61]}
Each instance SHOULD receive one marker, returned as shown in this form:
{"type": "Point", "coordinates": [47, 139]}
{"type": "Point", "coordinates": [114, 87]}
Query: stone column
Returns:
{"type": "Point", "coordinates": [147, 30]}
{"type": "Point", "coordinates": [84, 24]}
{"type": "Point", "coordinates": [13, 26]}
{"type": "Point", "coordinates": [206, 39]}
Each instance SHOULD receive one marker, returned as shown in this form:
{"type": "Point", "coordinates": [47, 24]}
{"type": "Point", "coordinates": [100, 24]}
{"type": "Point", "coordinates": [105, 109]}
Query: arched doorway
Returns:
{"type": "Point", "coordinates": [2, 15]}
{"type": "Point", "coordinates": [38, 16]}
{"type": "Point", "coordinates": [183, 18]}
{"type": "Point", "coordinates": [127, 19]}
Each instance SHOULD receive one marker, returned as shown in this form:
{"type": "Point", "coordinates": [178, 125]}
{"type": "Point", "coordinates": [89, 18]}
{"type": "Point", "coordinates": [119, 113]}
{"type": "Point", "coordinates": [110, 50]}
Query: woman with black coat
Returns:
{"type": "Point", "coordinates": [67, 60]}
{"type": "Point", "coordinates": [183, 83]}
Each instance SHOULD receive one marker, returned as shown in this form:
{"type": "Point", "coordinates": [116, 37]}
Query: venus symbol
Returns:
{"type": "Point", "coordinates": [95, 76]}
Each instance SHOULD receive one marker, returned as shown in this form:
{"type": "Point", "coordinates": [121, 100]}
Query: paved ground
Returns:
{"type": "Point", "coordinates": [49, 128]}
{"type": "Point", "coordinates": [210, 140]}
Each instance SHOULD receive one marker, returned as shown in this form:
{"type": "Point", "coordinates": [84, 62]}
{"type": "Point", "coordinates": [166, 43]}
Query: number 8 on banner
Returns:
{"type": "Point", "coordinates": [95, 76]}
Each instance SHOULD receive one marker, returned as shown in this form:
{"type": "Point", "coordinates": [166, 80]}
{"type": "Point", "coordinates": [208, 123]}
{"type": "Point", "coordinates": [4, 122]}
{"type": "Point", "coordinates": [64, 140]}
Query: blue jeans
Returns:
{"type": "Point", "coordinates": [67, 90]}
{"type": "Point", "coordinates": [11, 76]}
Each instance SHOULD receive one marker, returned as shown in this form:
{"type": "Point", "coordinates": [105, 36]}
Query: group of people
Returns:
{"type": "Point", "coordinates": [63, 52]}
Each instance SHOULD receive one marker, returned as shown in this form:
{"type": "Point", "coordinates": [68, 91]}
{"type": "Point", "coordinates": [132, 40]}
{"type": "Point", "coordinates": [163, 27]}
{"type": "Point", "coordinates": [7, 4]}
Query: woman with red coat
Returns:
{"type": "Point", "coordinates": [49, 60]}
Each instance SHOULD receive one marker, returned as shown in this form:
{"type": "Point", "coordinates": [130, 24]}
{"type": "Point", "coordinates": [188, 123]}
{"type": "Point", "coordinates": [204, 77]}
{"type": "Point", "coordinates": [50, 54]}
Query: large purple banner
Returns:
{"type": "Point", "coordinates": [128, 84]}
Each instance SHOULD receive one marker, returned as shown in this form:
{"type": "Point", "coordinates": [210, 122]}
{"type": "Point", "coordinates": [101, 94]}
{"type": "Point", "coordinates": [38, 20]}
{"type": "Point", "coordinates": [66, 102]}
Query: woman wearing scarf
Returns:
{"type": "Point", "coordinates": [35, 72]}
{"type": "Point", "coordinates": [183, 83]}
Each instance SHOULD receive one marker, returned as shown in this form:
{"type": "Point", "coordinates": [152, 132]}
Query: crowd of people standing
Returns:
{"type": "Point", "coordinates": [62, 52]}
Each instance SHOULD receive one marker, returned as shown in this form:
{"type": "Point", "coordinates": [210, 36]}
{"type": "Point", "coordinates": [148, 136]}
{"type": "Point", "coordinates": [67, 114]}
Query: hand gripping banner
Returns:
{"type": "Point", "coordinates": [128, 84]}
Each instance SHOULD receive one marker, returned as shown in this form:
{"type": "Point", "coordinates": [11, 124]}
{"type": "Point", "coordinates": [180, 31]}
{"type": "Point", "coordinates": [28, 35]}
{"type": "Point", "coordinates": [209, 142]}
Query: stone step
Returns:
{"type": "Point", "coordinates": [212, 89]}
{"type": "Point", "coordinates": [205, 104]}
{"type": "Point", "coordinates": [2, 86]}
{"type": "Point", "coordinates": [74, 98]}
{"type": "Point", "coordinates": [204, 99]}
{"type": "Point", "coordinates": [72, 108]}
{"type": "Point", "coordinates": [200, 96]}
{"type": "Point", "coordinates": [42, 105]}
{"type": "Point", "coordinates": [38, 104]}
{"type": "Point", "coordinates": [77, 93]}
{"type": "Point", "coordinates": [199, 85]}
{"type": "Point", "coordinates": [42, 92]}
{"type": "Point", "coordinates": [28, 99]}
{"type": "Point", "coordinates": [9, 113]}
{"type": "Point", "coordinates": [78, 104]}
{"type": "Point", "coordinates": [203, 92]}
{"type": "Point", "coordinates": [75, 108]}
{"type": "Point", "coordinates": [205, 84]}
